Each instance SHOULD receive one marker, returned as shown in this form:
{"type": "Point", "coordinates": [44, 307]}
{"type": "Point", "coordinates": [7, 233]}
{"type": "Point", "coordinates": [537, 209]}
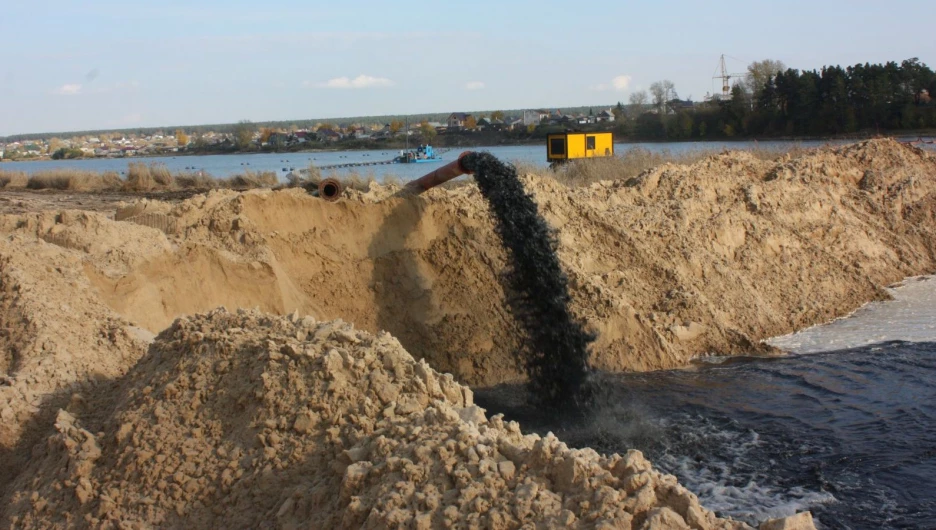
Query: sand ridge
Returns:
{"type": "Point", "coordinates": [680, 262]}
{"type": "Point", "coordinates": [250, 420]}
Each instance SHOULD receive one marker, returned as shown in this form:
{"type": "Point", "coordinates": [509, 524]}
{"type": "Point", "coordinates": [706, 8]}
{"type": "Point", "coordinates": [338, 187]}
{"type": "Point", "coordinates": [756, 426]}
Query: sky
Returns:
{"type": "Point", "coordinates": [72, 65]}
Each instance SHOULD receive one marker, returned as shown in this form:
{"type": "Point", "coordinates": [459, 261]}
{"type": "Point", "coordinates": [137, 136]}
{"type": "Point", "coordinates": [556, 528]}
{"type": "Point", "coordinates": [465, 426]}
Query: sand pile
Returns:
{"type": "Point", "coordinates": [680, 262]}
{"type": "Point", "coordinates": [57, 339]}
{"type": "Point", "coordinates": [250, 420]}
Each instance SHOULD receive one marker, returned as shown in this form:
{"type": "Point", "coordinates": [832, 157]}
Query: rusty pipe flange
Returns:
{"type": "Point", "coordinates": [330, 189]}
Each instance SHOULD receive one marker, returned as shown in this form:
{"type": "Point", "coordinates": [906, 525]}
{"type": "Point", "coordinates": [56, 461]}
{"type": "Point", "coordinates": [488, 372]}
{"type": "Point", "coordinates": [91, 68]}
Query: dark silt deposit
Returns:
{"type": "Point", "coordinates": [849, 435]}
{"type": "Point", "coordinates": [555, 354]}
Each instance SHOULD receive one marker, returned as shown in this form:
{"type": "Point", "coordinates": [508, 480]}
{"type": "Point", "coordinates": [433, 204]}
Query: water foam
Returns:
{"type": "Point", "coordinates": [909, 317]}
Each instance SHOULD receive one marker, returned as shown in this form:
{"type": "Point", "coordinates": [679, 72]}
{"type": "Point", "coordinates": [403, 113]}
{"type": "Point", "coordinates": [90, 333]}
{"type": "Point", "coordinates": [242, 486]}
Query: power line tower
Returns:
{"type": "Point", "coordinates": [725, 77]}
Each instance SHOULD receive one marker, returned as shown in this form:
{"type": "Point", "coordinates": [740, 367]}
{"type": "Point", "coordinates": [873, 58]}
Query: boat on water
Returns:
{"type": "Point", "coordinates": [423, 153]}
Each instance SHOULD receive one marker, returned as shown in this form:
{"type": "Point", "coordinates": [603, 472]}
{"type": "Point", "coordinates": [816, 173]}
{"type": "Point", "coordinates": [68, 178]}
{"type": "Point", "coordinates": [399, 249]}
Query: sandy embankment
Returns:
{"type": "Point", "coordinates": [681, 262]}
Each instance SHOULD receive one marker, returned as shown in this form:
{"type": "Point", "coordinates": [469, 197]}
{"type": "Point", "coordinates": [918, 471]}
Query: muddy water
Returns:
{"type": "Point", "coordinates": [849, 434]}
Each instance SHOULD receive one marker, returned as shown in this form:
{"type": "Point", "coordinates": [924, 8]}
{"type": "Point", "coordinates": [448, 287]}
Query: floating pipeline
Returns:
{"type": "Point", "coordinates": [555, 350]}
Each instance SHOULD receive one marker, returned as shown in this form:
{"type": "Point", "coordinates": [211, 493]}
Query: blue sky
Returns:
{"type": "Point", "coordinates": [70, 65]}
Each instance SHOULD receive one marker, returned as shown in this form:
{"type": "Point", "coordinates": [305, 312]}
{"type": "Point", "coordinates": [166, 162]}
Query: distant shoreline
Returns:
{"type": "Point", "coordinates": [925, 133]}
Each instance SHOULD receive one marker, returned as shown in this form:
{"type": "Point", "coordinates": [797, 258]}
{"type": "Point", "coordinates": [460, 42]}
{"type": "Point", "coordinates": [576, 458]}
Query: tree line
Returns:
{"type": "Point", "coordinates": [777, 101]}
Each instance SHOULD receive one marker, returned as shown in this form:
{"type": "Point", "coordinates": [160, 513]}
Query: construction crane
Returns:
{"type": "Point", "coordinates": [725, 77]}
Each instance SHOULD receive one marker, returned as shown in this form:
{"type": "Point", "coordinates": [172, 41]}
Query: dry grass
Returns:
{"type": "Point", "coordinates": [140, 177]}
{"type": "Point", "coordinates": [143, 177]}
{"type": "Point", "coordinates": [13, 179]}
{"type": "Point", "coordinates": [73, 180]}
{"type": "Point", "coordinates": [251, 179]}
{"type": "Point", "coordinates": [355, 181]}
{"type": "Point", "coordinates": [196, 181]}
{"type": "Point", "coordinates": [631, 163]}
{"type": "Point", "coordinates": [636, 160]}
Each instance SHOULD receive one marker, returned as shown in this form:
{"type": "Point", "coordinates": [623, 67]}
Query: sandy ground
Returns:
{"type": "Point", "coordinates": [681, 262]}
{"type": "Point", "coordinates": [30, 201]}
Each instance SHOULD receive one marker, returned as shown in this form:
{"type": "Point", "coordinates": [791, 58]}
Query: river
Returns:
{"type": "Point", "coordinates": [845, 426]}
{"type": "Point", "coordinates": [282, 163]}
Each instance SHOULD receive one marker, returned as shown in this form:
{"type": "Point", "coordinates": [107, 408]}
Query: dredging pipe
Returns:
{"type": "Point", "coordinates": [443, 174]}
{"type": "Point", "coordinates": [329, 189]}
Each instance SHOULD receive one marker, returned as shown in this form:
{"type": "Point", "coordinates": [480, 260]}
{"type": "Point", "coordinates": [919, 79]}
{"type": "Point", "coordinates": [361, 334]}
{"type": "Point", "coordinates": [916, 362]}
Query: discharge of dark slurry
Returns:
{"type": "Point", "coordinates": [555, 348]}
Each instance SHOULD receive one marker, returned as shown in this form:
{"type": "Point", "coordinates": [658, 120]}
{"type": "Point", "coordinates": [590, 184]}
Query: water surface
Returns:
{"type": "Point", "coordinates": [845, 428]}
{"type": "Point", "coordinates": [282, 163]}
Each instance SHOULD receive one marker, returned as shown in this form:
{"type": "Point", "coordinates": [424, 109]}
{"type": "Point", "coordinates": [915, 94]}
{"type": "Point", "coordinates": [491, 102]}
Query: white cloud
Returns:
{"type": "Point", "coordinates": [68, 90]}
{"type": "Point", "coordinates": [361, 81]}
{"type": "Point", "coordinates": [474, 85]}
{"type": "Point", "coordinates": [619, 84]}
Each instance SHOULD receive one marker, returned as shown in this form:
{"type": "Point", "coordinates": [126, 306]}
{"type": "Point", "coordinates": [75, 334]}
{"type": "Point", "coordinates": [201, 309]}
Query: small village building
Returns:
{"type": "Point", "coordinates": [456, 120]}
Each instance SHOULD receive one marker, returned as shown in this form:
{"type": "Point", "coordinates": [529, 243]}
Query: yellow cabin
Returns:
{"type": "Point", "coordinates": [573, 145]}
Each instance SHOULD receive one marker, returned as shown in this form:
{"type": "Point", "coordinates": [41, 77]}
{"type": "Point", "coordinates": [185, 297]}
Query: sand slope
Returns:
{"type": "Point", "coordinates": [680, 262]}
{"type": "Point", "coordinates": [247, 420]}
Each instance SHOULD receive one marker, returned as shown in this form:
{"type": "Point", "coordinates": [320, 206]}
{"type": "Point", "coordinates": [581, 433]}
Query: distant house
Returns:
{"type": "Point", "coordinates": [456, 120]}
{"type": "Point", "coordinates": [499, 125]}
{"type": "Point", "coordinates": [278, 138]}
{"type": "Point", "coordinates": [558, 118]}
{"type": "Point", "coordinates": [604, 116]}
{"type": "Point", "coordinates": [534, 117]}
{"type": "Point", "coordinates": [514, 123]}
{"type": "Point", "coordinates": [360, 133]}
{"type": "Point", "coordinates": [329, 135]}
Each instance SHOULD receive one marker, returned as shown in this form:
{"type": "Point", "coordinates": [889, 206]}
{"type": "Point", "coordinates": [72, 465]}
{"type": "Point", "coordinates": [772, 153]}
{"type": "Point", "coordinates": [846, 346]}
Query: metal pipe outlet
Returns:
{"type": "Point", "coordinates": [329, 189]}
{"type": "Point", "coordinates": [443, 174]}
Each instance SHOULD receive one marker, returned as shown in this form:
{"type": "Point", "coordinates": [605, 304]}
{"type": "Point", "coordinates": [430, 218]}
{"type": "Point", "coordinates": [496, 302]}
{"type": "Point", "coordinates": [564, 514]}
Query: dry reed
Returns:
{"type": "Point", "coordinates": [73, 180]}
{"type": "Point", "coordinates": [200, 181]}
{"type": "Point", "coordinates": [143, 177]}
{"type": "Point", "coordinates": [140, 178]}
{"type": "Point", "coordinates": [251, 179]}
{"type": "Point", "coordinates": [13, 179]}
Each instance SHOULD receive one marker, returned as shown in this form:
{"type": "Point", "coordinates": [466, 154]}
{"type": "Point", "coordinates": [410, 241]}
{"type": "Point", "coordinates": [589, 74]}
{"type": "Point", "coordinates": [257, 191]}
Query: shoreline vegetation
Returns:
{"type": "Point", "coordinates": [482, 140]}
{"type": "Point", "coordinates": [155, 177]}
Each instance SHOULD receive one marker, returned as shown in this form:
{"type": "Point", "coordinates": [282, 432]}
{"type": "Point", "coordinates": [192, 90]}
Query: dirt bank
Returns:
{"type": "Point", "coordinates": [248, 420]}
{"type": "Point", "coordinates": [680, 262]}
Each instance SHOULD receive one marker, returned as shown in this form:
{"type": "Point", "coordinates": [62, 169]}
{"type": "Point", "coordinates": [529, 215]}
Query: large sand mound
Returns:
{"type": "Point", "coordinates": [680, 262]}
{"type": "Point", "coordinates": [247, 420]}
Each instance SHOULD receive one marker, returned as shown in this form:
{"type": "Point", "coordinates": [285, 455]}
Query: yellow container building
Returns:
{"type": "Point", "coordinates": [574, 145]}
